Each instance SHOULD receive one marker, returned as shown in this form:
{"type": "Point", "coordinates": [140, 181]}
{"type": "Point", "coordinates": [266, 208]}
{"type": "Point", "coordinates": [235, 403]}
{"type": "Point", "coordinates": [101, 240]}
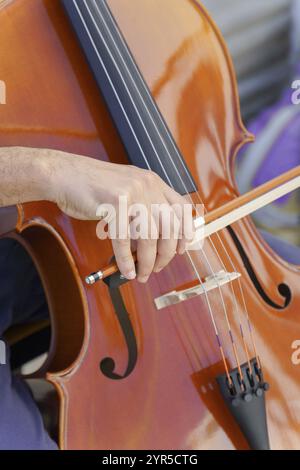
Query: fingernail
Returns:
{"type": "Point", "coordinates": [131, 275]}
{"type": "Point", "coordinates": [143, 279]}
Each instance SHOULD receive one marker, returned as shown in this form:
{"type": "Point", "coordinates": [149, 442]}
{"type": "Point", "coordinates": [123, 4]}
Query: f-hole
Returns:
{"type": "Point", "coordinates": [283, 289]}
{"type": "Point", "coordinates": [108, 365]}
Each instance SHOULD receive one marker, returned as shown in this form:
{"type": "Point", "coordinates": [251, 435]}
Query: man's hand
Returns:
{"type": "Point", "coordinates": [79, 185]}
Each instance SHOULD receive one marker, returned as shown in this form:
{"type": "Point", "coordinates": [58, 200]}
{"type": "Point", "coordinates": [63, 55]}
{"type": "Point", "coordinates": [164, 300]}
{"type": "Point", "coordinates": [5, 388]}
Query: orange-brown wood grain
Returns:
{"type": "Point", "coordinates": [171, 399]}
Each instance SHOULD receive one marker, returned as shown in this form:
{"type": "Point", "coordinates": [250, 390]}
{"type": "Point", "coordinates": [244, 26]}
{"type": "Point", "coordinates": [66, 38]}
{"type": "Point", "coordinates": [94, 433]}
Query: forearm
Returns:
{"type": "Point", "coordinates": [80, 184]}
{"type": "Point", "coordinates": [23, 175]}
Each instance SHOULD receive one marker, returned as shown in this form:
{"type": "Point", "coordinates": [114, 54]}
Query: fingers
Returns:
{"type": "Point", "coordinates": [124, 258]}
{"type": "Point", "coordinates": [146, 256]}
{"type": "Point", "coordinates": [153, 252]}
{"type": "Point", "coordinates": [167, 245]}
{"type": "Point", "coordinates": [183, 208]}
{"type": "Point", "coordinates": [166, 250]}
{"type": "Point", "coordinates": [187, 231]}
{"type": "Point", "coordinates": [181, 246]}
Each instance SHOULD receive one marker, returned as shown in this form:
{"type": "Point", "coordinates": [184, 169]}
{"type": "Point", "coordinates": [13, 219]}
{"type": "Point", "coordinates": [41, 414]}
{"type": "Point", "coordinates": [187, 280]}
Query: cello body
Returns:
{"type": "Point", "coordinates": [170, 400]}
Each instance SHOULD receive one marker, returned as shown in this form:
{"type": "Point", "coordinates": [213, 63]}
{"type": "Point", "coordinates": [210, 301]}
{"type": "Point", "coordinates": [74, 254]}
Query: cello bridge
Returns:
{"type": "Point", "coordinates": [212, 282]}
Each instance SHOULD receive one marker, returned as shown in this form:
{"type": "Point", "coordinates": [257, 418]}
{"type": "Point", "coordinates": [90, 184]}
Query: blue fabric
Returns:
{"type": "Point", "coordinates": [21, 300]}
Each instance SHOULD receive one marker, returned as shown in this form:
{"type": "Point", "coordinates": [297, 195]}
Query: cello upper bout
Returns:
{"type": "Point", "coordinates": [196, 93]}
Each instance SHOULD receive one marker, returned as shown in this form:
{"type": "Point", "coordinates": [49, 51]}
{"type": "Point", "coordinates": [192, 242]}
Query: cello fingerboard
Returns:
{"type": "Point", "coordinates": [142, 129]}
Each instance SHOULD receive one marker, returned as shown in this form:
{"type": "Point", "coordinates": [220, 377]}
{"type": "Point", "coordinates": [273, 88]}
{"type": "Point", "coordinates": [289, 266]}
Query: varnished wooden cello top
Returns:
{"type": "Point", "coordinates": [170, 399]}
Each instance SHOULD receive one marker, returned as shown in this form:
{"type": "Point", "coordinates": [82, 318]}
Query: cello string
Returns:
{"type": "Point", "coordinates": [236, 307]}
{"type": "Point", "coordinates": [126, 117]}
{"type": "Point", "coordinates": [112, 58]}
{"type": "Point", "coordinates": [186, 328]}
{"type": "Point", "coordinates": [181, 315]}
{"type": "Point", "coordinates": [147, 91]}
{"type": "Point", "coordinates": [175, 148]}
{"type": "Point", "coordinates": [162, 140]}
{"type": "Point", "coordinates": [226, 315]}
{"type": "Point", "coordinates": [171, 141]}
{"type": "Point", "coordinates": [89, 12]}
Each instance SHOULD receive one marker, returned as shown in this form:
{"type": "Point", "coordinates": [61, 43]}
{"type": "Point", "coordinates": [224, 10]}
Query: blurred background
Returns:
{"type": "Point", "coordinates": [264, 41]}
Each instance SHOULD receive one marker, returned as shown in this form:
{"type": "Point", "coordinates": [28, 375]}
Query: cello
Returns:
{"type": "Point", "coordinates": [145, 366]}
